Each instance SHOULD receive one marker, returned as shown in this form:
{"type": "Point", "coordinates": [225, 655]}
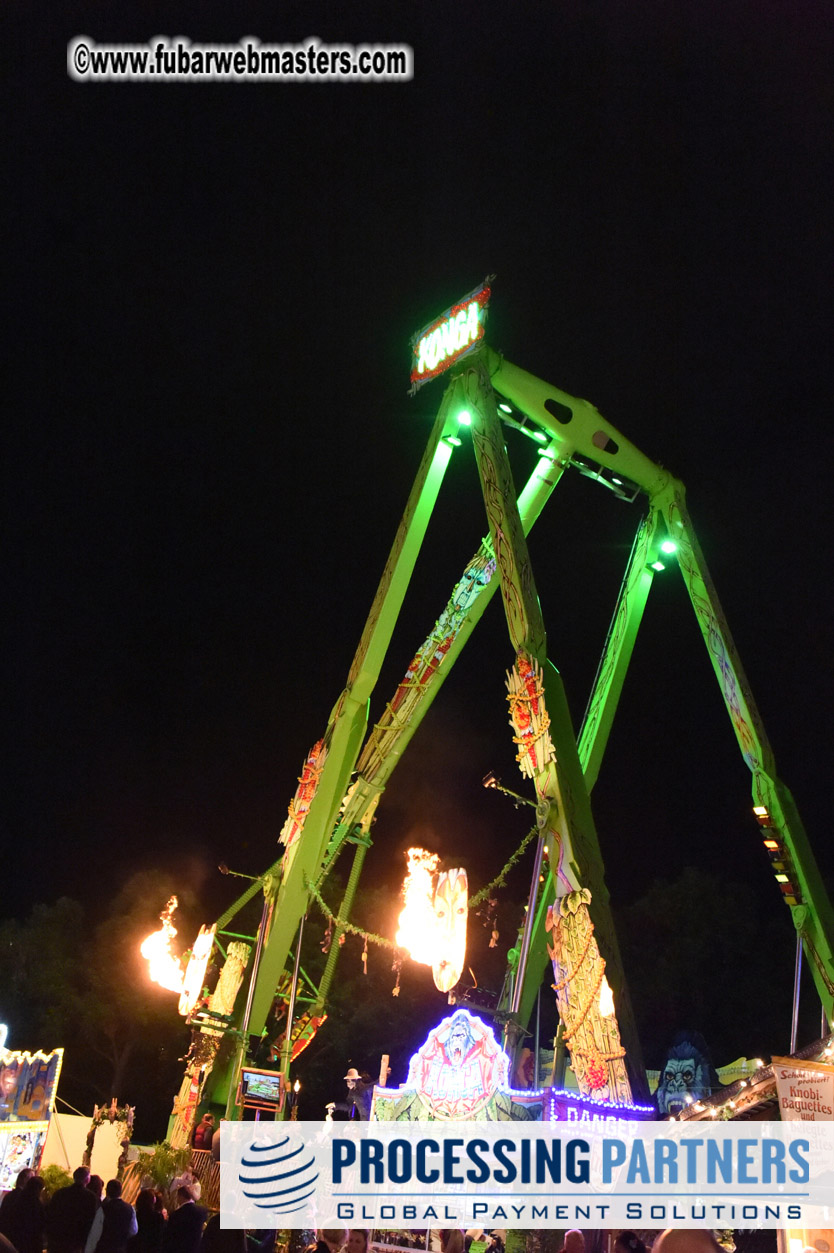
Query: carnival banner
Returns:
{"type": "Point", "coordinates": [27, 1085]}
{"type": "Point", "coordinates": [805, 1090]}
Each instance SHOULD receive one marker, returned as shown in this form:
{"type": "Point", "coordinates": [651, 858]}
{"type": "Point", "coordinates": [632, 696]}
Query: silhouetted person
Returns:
{"type": "Point", "coordinates": [31, 1217]}
{"type": "Point", "coordinates": [217, 1240]}
{"type": "Point", "coordinates": [119, 1220]}
{"type": "Point", "coordinates": [185, 1225]}
{"type": "Point", "coordinates": [150, 1222]}
{"type": "Point", "coordinates": [22, 1178]}
{"type": "Point", "coordinates": [15, 1213]}
{"type": "Point", "coordinates": [70, 1214]}
{"type": "Point", "coordinates": [11, 1201]}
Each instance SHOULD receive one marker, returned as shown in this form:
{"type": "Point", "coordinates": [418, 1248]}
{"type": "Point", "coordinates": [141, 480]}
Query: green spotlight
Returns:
{"type": "Point", "coordinates": [668, 546]}
{"type": "Point", "coordinates": [453, 439]}
{"type": "Point", "coordinates": [505, 408]}
{"type": "Point", "coordinates": [658, 565]}
{"type": "Point", "coordinates": [465, 417]}
{"type": "Point", "coordinates": [540, 436]}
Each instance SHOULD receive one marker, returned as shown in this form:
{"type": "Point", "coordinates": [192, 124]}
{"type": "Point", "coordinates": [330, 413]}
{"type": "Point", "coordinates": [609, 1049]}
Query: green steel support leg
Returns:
{"type": "Point", "coordinates": [812, 913]}
{"type": "Point", "coordinates": [571, 836]}
{"type": "Point", "coordinates": [619, 647]}
{"type": "Point", "coordinates": [593, 739]}
{"type": "Point", "coordinates": [347, 724]}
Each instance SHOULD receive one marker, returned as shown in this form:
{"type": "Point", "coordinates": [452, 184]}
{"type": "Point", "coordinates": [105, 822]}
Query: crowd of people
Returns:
{"type": "Point", "coordinates": [455, 1241]}
{"type": "Point", "coordinates": [88, 1216]}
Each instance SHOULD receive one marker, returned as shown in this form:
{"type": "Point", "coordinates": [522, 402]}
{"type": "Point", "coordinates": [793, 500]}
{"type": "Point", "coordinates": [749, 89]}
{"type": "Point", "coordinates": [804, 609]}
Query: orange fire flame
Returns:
{"type": "Point", "coordinates": [417, 928]}
{"type": "Point", "coordinates": [606, 998]}
{"type": "Point", "coordinates": [163, 967]}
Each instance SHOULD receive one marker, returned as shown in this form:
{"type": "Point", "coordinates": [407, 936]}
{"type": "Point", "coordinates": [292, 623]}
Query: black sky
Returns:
{"type": "Point", "coordinates": [212, 289]}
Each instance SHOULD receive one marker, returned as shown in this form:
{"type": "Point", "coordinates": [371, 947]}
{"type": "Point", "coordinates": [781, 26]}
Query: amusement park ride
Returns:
{"type": "Point", "coordinates": [568, 919]}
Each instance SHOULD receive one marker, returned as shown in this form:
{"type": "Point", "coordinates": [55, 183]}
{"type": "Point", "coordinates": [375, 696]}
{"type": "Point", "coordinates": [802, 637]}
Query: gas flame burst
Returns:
{"type": "Point", "coordinates": [417, 930]}
{"type": "Point", "coordinates": [163, 967]}
{"type": "Point", "coordinates": [606, 999]}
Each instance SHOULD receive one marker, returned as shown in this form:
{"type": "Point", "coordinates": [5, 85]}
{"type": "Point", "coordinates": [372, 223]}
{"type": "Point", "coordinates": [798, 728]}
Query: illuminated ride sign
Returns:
{"type": "Point", "coordinates": [28, 1083]}
{"type": "Point", "coordinates": [459, 1073]}
{"type": "Point", "coordinates": [450, 337]}
{"type": "Point", "coordinates": [572, 1106]}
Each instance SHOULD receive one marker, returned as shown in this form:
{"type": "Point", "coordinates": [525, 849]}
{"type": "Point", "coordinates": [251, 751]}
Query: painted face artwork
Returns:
{"type": "Point", "coordinates": [451, 906]}
{"type": "Point", "coordinates": [685, 1077]}
{"type": "Point", "coordinates": [195, 971]}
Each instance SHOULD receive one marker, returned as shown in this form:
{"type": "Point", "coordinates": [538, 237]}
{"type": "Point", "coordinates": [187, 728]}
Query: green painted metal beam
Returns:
{"type": "Point", "coordinates": [348, 720]}
{"type": "Point", "coordinates": [619, 646]}
{"type": "Point", "coordinates": [566, 822]}
{"type": "Point", "coordinates": [375, 767]}
{"type": "Point", "coordinates": [812, 912]}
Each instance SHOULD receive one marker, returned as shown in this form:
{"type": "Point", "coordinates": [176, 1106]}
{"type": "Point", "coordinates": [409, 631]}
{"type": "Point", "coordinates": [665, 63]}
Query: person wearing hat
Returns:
{"type": "Point", "coordinates": [359, 1096]}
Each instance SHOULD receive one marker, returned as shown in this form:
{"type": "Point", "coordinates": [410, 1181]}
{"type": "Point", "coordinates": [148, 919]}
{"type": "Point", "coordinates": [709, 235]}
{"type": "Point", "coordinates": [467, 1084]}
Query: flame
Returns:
{"type": "Point", "coordinates": [163, 967]}
{"type": "Point", "coordinates": [417, 928]}
{"type": "Point", "coordinates": [606, 999]}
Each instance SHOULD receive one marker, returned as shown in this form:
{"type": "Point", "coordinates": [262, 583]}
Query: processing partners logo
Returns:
{"type": "Point", "coordinates": [599, 1172]}
{"type": "Point", "coordinates": [279, 1177]}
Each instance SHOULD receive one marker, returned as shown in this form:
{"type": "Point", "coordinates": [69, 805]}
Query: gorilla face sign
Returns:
{"type": "Point", "coordinates": [686, 1074]}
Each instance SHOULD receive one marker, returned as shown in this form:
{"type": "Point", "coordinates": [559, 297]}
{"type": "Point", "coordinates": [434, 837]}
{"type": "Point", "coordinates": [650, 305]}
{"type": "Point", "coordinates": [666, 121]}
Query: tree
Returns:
{"type": "Point", "coordinates": [79, 982]}
{"type": "Point", "coordinates": [713, 956]}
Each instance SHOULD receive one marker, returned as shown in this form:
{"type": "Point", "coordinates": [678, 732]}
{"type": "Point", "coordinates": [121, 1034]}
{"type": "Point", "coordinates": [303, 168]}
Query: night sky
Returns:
{"type": "Point", "coordinates": [212, 292]}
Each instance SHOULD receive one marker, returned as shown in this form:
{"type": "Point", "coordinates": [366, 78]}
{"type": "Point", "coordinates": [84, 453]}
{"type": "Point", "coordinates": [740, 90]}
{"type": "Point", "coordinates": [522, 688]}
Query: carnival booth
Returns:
{"type": "Point", "coordinates": [28, 1085]}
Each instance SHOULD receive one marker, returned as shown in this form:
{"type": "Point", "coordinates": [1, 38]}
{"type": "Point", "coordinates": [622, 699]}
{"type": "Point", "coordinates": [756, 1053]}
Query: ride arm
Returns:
{"type": "Point", "coordinates": [577, 429]}
{"type": "Point", "coordinates": [575, 426]}
{"type": "Point", "coordinates": [564, 817]}
{"type": "Point", "coordinates": [785, 838]}
{"type": "Point", "coordinates": [413, 698]}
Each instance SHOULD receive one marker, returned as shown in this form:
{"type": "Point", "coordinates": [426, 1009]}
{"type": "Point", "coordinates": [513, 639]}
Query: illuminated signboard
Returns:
{"type": "Point", "coordinates": [450, 337]}
{"type": "Point", "coordinates": [459, 1067]}
{"type": "Point", "coordinates": [459, 1073]}
{"type": "Point", "coordinates": [27, 1086]}
{"type": "Point", "coordinates": [27, 1097]}
{"type": "Point", "coordinates": [568, 1106]}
